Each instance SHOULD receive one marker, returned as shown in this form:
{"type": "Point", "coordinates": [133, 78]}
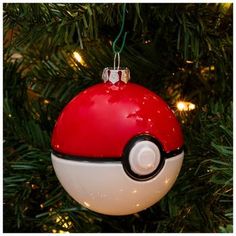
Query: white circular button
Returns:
{"type": "Point", "coordinates": [144, 157]}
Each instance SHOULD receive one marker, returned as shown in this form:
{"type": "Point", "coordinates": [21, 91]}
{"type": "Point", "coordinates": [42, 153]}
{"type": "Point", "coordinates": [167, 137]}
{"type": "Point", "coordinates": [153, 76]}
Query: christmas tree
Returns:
{"type": "Point", "coordinates": [183, 52]}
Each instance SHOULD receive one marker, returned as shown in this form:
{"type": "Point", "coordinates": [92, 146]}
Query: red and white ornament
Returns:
{"type": "Point", "coordinates": [117, 146]}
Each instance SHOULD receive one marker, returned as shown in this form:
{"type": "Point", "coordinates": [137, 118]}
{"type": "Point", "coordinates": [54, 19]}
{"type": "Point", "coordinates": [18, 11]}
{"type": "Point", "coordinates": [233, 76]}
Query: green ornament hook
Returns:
{"type": "Point", "coordinates": [118, 36]}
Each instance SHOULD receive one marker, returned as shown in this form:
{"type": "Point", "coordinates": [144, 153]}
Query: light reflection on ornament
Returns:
{"type": "Point", "coordinates": [167, 181]}
{"type": "Point", "coordinates": [185, 106]}
{"type": "Point", "coordinates": [86, 204]}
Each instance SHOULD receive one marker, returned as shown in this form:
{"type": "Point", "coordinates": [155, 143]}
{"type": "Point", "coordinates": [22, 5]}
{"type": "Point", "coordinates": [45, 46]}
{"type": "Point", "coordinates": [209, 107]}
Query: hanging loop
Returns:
{"type": "Point", "coordinates": [118, 61]}
{"type": "Point", "coordinates": [118, 36]}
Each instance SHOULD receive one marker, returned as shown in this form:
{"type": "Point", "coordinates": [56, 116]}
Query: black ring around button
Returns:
{"type": "Point", "coordinates": [126, 163]}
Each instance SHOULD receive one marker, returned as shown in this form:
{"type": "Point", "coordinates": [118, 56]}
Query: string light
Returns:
{"type": "Point", "coordinates": [34, 186]}
{"type": "Point", "coordinates": [189, 62]}
{"type": "Point", "coordinates": [185, 106]}
{"type": "Point", "coordinates": [25, 209]}
{"type": "Point", "coordinates": [46, 101]}
{"type": "Point", "coordinates": [76, 57]}
{"type": "Point", "coordinates": [147, 41]}
{"type": "Point", "coordinates": [64, 222]}
{"type": "Point", "coordinates": [63, 232]}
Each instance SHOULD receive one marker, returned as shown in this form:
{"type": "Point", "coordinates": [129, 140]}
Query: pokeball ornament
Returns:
{"type": "Point", "coordinates": [117, 147]}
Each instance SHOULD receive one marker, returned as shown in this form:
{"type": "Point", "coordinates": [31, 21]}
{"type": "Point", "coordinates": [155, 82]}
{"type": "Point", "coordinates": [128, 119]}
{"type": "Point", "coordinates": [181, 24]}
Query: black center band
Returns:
{"type": "Point", "coordinates": [106, 159]}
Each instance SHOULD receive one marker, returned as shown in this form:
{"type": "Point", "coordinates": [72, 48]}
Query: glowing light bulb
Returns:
{"type": "Point", "coordinates": [77, 56]}
{"type": "Point", "coordinates": [63, 222]}
{"type": "Point", "coordinates": [185, 106]}
{"type": "Point", "coordinates": [212, 67]}
{"type": "Point", "coordinates": [181, 106]}
{"type": "Point", "coordinates": [63, 232]}
{"type": "Point", "coordinates": [191, 106]}
{"type": "Point", "coordinates": [58, 219]}
{"type": "Point", "coordinates": [189, 62]}
{"type": "Point", "coordinates": [34, 186]}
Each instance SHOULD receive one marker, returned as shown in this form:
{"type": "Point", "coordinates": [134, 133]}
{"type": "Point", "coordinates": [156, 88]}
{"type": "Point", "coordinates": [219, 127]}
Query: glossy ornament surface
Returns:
{"type": "Point", "coordinates": [117, 146]}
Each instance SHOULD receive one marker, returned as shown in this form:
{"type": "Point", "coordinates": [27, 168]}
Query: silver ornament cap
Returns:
{"type": "Point", "coordinates": [115, 75]}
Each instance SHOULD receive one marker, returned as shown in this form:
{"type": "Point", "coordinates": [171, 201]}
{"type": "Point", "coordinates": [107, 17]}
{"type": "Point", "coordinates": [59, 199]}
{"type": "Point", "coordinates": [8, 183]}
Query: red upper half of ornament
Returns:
{"type": "Point", "coordinates": [101, 120]}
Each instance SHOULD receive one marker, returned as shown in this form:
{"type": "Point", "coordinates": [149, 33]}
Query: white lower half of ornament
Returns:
{"type": "Point", "coordinates": [105, 187]}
